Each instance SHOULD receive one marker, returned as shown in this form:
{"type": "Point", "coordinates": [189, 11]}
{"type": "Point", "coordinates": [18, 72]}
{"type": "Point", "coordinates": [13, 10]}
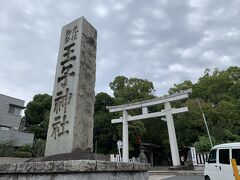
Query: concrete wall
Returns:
{"type": "Point", "coordinates": [74, 170]}
{"type": "Point", "coordinates": [82, 176]}
{"type": "Point", "coordinates": [18, 138]}
{"type": "Point", "coordinates": [10, 120]}
{"type": "Point", "coordinates": [10, 160]}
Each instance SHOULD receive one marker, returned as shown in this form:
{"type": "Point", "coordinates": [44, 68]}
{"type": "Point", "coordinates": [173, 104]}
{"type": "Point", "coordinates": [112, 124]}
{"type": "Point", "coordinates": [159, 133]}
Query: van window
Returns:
{"type": "Point", "coordinates": [224, 156]}
{"type": "Point", "coordinates": [236, 155]}
{"type": "Point", "coordinates": [212, 156]}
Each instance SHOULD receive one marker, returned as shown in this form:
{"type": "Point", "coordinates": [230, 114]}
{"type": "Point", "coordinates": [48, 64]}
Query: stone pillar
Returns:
{"type": "Point", "coordinates": [71, 118]}
{"type": "Point", "coordinates": [125, 136]}
{"type": "Point", "coordinates": [172, 135]}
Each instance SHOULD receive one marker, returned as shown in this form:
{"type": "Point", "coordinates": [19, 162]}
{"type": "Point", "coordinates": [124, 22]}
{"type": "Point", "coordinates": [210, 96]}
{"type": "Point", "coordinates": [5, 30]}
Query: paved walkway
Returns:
{"type": "Point", "coordinates": [158, 177]}
{"type": "Point", "coordinates": [164, 170]}
{"type": "Point", "coordinates": [173, 177]}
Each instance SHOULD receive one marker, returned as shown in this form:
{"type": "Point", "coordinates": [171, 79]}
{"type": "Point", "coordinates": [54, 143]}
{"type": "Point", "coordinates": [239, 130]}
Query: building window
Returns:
{"type": "Point", "coordinates": [11, 109]}
{"type": "Point", "coordinates": [14, 110]}
{"type": "Point", "coordinates": [224, 156]}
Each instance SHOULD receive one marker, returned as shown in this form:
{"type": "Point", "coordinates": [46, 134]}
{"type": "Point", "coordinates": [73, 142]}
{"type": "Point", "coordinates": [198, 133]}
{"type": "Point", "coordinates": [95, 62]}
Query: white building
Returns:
{"type": "Point", "coordinates": [10, 120]}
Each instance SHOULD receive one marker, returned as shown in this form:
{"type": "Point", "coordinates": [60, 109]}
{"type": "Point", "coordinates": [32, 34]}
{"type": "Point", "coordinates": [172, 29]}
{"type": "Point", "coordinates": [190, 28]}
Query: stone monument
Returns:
{"type": "Point", "coordinates": [71, 118]}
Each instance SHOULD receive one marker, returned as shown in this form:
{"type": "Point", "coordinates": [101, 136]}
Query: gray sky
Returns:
{"type": "Point", "coordinates": [164, 41]}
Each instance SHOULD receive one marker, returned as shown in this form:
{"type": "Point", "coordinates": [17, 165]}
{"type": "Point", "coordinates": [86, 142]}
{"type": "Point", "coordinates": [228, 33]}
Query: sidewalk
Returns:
{"type": "Point", "coordinates": [159, 177]}
{"type": "Point", "coordinates": [163, 170]}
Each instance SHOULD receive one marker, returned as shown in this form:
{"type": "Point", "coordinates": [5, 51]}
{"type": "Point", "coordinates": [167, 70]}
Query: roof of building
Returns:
{"type": "Point", "coordinates": [12, 101]}
{"type": "Point", "coordinates": [10, 97]}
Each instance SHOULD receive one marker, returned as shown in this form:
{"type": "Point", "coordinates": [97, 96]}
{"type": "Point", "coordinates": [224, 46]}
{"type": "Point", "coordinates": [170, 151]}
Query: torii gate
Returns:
{"type": "Point", "coordinates": [167, 112]}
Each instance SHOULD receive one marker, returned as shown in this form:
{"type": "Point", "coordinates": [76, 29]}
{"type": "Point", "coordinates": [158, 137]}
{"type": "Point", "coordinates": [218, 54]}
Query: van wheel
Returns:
{"type": "Point", "coordinates": [207, 178]}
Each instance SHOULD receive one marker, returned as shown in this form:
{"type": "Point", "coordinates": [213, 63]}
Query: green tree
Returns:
{"type": "Point", "coordinates": [181, 87]}
{"type": "Point", "coordinates": [219, 96]}
{"type": "Point", "coordinates": [104, 133]}
{"type": "Point", "coordinates": [38, 148]}
{"type": "Point", "coordinates": [127, 90]}
{"type": "Point", "coordinates": [189, 126]}
{"type": "Point", "coordinates": [37, 115]}
{"type": "Point", "coordinates": [218, 92]}
{"type": "Point", "coordinates": [102, 100]}
{"type": "Point", "coordinates": [203, 144]}
{"type": "Point", "coordinates": [133, 89]}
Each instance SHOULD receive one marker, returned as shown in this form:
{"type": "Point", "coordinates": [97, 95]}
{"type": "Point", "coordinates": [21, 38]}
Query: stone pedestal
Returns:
{"type": "Point", "coordinates": [75, 155]}
{"type": "Point", "coordinates": [74, 170]}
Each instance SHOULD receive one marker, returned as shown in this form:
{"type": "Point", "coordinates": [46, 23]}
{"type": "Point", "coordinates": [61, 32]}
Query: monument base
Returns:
{"type": "Point", "coordinates": [74, 170]}
{"type": "Point", "coordinates": [75, 155]}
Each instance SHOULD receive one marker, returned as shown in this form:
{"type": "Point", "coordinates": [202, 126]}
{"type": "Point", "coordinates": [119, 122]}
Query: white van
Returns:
{"type": "Point", "coordinates": [218, 165]}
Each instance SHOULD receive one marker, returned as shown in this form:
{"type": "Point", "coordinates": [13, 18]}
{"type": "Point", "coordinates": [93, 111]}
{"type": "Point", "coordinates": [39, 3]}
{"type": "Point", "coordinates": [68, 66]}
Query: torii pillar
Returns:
{"type": "Point", "coordinates": [125, 148]}
{"type": "Point", "coordinates": [172, 135]}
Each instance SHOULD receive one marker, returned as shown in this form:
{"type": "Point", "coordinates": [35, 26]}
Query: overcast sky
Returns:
{"type": "Point", "coordinates": [164, 41]}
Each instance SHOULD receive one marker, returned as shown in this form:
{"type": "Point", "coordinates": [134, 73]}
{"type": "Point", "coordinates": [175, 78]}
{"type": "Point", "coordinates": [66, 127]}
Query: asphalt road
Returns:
{"type": "Point", "coordinates": [186, 178]}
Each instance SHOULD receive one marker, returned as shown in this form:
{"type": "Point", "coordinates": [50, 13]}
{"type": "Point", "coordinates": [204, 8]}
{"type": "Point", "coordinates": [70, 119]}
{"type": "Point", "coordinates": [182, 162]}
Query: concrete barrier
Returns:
{"type": "Point", "coordinates": [74, 169]}
{"type": "Point", "coordinates": [10, 160]}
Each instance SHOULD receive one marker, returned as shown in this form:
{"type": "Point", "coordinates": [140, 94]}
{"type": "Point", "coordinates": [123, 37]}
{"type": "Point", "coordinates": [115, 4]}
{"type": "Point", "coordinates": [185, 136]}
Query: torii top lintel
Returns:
{"type": "Point", "coordinates": [151, 102]}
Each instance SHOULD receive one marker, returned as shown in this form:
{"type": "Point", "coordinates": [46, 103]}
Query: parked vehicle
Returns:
{"type": "Point", "coordinates": [218, 165]}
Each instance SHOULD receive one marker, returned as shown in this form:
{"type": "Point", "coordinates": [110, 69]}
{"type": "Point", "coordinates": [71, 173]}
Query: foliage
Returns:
{"type": "Point", "coordinates": [38, 148]}
{"type": "Point", "coordinates": [219, 97]}
{"type": "Point", "coordinates": [203, 144]}
{"type": "Point", "coordinates": [133, 89]}
{"type": "Point", "coordinates": [101, 101]}
{"type": "Point", "coordinates": [22, 154]}
{"type": "Point", "coordinates": [37, 115]}
{"type": "Point", "coordinates": [7, 149]}
{"type": "Point", "coordinates": [125, 90]}
{"type": "Point", "coordinates": [217, 91]}
{"type": "Point", "coordinates": [104, 133]}
{"type": "Point", "coordinates": [25, 148]}
{"type": "Point", "coordinates": [180, 87]}
{"type": "Point", "coordinates": [23, 151]}
{"type": "Point", "coordinates": [128, 90]}
{"type": "Point", "coordinates": [189, 126]}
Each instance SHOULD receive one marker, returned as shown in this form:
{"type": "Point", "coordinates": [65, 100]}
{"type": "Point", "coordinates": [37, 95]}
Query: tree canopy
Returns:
{"type": "Point", "coordinates": [219, 96]}
{"type": "Point", "coordinates": [37, 115]}
{"type": "Point", "coordinates": [218, 93]}
{"type": "Point", "coordinates": [131, 89]}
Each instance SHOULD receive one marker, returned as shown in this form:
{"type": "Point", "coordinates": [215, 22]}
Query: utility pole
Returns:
{"type": "Point", "coordinates": [205, 122]}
